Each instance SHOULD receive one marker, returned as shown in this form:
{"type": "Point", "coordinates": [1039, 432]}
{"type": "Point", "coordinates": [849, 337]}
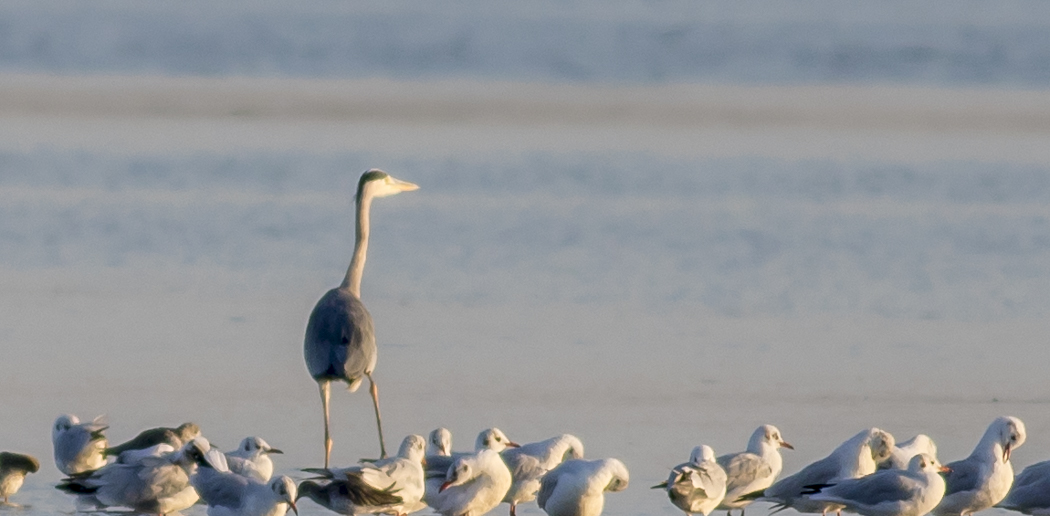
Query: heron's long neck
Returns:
{"type": "Point", "coordinates": [357, 263]}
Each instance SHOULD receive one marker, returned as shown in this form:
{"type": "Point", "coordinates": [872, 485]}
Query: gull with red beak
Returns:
{"type": "Point", "coordinates": [437, 466]}
{"type": "Point", "coordinates": [984, 478]}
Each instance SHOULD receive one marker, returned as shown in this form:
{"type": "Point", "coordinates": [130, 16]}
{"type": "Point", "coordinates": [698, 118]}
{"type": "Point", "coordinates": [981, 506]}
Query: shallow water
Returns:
{"type": "Point", "coordinates": [646, 294]}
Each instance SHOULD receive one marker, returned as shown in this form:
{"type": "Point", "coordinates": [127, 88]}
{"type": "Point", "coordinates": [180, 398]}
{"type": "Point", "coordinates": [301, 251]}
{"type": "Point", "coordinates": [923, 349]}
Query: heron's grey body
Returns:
{"type": "Point", "coordinates": [340, 342]}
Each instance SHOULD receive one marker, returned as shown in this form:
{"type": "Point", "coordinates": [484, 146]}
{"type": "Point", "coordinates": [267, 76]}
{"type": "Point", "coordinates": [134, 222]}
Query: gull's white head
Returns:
{"type": "Point", "coordinates": [460, 472]}
{"type": "Point", "coordinates": [284, 488]}
{"type": "Point", "coordinates": [413, 448]}
{"type": "Point", "coordinates": [1007, 432]}
{"type": "Point", "coordinates": [493, 439]}
{"type": "Point", "coordinates": [63, 424]}
{"type": "Point", "coordinates": [767, 435]}
{"type": "Point", "coordinates": [925, 462]}
{"type": "Point", "coordinates": [440, 442]}
{"type": "Point", "coordinates": [376, 183]}
{"type": "Point", "coordinates": [254, 445]}
{"type": "Point", "coordinates": [620, 477]}
{"type": "Point", "coordinates": [881, 444]}
{"type": "Point", "coordinates": [701, 454]}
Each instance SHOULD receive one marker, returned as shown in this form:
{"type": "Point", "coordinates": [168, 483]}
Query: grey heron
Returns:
{"type": "Point", "coordinates": [340, 342]}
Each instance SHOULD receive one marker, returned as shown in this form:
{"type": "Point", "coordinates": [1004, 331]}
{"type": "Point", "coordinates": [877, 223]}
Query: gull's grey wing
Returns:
{"type": "Point", "coordinates": [791, 487]}
{"type": "Point", "coordinates": [437, 466]}
{"type": "Point", "coordinates": [965, 475]}
{"type": "Point", "coordinates": [547, 485]}
{"type": "Point", "coordinates": [1031, 489]}
{"type": "Point", "coordinates": [220, 489]}
{"type": "Point", "coordinates": [880, 487]}
{"type": "Point", "coordinates": [522, 465]}
{"type": "Point", "coordinates": [743, 469]}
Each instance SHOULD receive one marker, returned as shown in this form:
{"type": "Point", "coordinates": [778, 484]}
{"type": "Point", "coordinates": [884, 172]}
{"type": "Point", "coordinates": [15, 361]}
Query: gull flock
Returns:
{"type": "Point", "coordinates": [166, 470]}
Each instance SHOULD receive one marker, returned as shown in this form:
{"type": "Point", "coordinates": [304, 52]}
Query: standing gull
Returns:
{"type": "Point", "coordinates": [889, 492]}
{"type": "Point", "coordinates": [340, 343]}
{"type": "Point", "coordinates": [754, 469]}
{"type": "Point", "coordinates": [984, 478]}
{"type": "Point", "coordinates": [78, 447]}
{"type": "Point", "coordinates": [854, 458]}
{"type": "Point", "coordinates": [697, 486]}
{"type": "Point", "coordinates": [529, 462]}
{"type": "Point", "coordinates": [577, 487]}
{"type": "Point", "coordinates": [13, 470]}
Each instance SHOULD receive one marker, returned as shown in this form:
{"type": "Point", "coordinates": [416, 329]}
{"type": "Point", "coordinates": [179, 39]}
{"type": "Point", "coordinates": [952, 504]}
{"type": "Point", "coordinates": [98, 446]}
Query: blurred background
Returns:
{"type": "Point", "coordinates": [652, 224]}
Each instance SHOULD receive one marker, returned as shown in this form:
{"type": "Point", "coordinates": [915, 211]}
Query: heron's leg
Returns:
{"type": "Point", "coordinates": [379, 420]}
{"type": "Point", "coordinates": [512, 507]}
{"type": "Point", "coordinates": [325, 387]}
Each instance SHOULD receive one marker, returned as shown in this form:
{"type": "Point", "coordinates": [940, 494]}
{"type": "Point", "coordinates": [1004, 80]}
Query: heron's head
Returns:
{"type": "Point", "coordinates": [376, 183]}
{"type": "Point", "coordinates": [286, 491]}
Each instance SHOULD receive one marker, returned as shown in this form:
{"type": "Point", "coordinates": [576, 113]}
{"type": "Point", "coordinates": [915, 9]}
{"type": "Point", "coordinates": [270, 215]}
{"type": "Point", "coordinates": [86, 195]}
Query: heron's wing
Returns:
{"type": "Point", "coordinates": [965, 475]}
{"type": "Point", "coordinates": [340, 338]}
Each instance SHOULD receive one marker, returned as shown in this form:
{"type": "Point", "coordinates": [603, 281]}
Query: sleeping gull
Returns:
{"type": "Point", "coordinates": [252, 459]}
{"type": "Point", "coordinates": [854, 458]}
{"type": "Point", "coordinates": [474, 485]}
{"type": "Point", "coordinates": [754, 469]}
{"type": "Point", "coordinates": [697, 486]}
{"type": "Point", "coordinates": [13, 470]}
{"type": "Point", "coordinates": [984, 478]}
{"type": "Point", "coordinates": [440, 442]}
{"type": "Point", "coordinates": [401, 474]}
{"type": "Point", "coordinates": [157, 485]}
{"type": "Point", "coordinates": [79, 447]}
{"type": "Point", "coordinates": [904, 451]}
{"type": "Point", "coordinates": [889, 492]}
{"type": "Point", "coordinates": [529, 462]}
{"type": "Point", "coordinates": [1030, 493]}
{"type": "Point", "coordinates": [577, 487]}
